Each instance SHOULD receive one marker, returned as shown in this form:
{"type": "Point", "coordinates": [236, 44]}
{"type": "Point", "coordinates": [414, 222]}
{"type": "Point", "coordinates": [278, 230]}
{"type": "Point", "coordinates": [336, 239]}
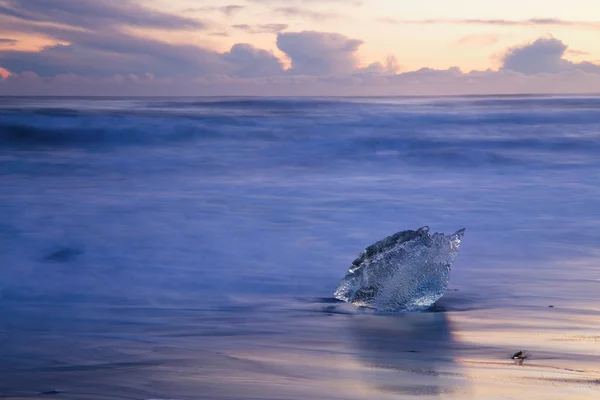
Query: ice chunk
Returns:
{"type": "Point", "coordinates": [408, 271]}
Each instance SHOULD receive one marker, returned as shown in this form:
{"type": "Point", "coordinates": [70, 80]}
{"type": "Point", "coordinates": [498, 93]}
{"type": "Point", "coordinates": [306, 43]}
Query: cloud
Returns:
{"type": "Point", "coordinates": [545, 55]}
{"type": "Point", "coordinates": [390, 67]}
{"type": "Point", "coordinates": [94, 14]}
{"type": "Point", "coordinates": [497, 22]}
{"type": "Point", "coordinates": [219, 34]}
{"type": "Point", "coordinates": [249, 62]}
{"type": "Point", "coordinates": [479, 40]}
{"type": "Point", "coordinates": [574, 52]}
{"type": "Point", "coordinates": [7, 42]}
{"type": "Point", "coordinates": [319, 53]}
{"type": "Point", "coordinates": [108, 53]}
{"type": "Point", "coordinates": [423, 82]}
{"type": "Point", "coordinates": [562, 22]}
{"type": "Point", "coordinates": [102, 55]}
{"type": "Point", "coordinates": [301, 12]}
{"type": "Point", "coordinates": [227, 10]}
{"type": "Point", "coordinates": [97, 45]}
{"type": "Point", "coordinates": [111, 62]}
{"type": "Point", "coordinates": [231, 9]}
{"type": "Point", "coordinates": [429, 75]}
{"type": "Point", "coordinates": [92, 40]}
{"type": "Point", "coordinates": [261, 28]}
{"type": "Point", "coordinates": [355, 3]}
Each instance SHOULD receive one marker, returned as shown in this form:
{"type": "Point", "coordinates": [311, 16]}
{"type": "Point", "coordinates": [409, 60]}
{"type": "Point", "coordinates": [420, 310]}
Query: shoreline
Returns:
{"type": "Point", "coordinates": [323, 351]}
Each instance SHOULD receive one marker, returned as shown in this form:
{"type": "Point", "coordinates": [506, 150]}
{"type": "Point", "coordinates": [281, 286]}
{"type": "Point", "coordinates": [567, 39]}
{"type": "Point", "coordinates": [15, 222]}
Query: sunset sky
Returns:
{"type": "Point", "coordinates": [299, 47]}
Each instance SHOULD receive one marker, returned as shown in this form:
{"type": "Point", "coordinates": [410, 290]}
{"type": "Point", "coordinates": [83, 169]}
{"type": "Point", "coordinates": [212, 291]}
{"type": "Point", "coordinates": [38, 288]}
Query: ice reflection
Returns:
{"type": "Point", "coordinates": [407, 354]}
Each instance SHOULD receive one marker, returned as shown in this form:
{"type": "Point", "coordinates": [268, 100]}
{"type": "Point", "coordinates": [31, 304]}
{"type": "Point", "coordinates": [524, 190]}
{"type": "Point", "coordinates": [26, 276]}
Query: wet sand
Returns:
{"type": "Point", "coordinates": [309, 348]}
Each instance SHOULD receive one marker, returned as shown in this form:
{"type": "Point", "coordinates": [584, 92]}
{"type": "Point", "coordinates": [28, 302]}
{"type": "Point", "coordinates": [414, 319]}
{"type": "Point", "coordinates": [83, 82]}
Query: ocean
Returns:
{"type": "Point", "coordinates": [188, 248]}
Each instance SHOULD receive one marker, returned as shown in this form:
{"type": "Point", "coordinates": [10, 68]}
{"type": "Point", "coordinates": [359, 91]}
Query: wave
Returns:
{"type": "Point", "coordinates": [27, 135]}
{"type": "Point", "coordinates": [367, 112]}
{"type": "Point", "coordinates": [30, 136]}
{"type": "Point", "coordinates": [320, 132]}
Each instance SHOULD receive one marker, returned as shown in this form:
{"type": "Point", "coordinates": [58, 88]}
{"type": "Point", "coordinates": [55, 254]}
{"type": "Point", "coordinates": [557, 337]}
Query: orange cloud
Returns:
{"type": "Point", "coordinates": [4, 73]}
{"type": "Point", "coordinates": [479, 39]}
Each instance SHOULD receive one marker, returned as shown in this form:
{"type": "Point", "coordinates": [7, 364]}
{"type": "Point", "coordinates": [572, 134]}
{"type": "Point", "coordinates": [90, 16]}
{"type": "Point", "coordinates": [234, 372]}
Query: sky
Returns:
{"type": "Point", "coordinates": [299, 47]}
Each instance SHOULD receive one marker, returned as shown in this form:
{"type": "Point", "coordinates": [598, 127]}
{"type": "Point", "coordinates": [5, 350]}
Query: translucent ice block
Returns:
{"type": "Point", "coordinates": [408, 271]}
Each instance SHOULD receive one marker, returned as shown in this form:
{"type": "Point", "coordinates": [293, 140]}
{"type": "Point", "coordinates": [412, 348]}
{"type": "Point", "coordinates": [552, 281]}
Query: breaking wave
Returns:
{"type": "Point", "coordinates": [450, 132]}
{"type": "Point", "coordinates": [31, 136]}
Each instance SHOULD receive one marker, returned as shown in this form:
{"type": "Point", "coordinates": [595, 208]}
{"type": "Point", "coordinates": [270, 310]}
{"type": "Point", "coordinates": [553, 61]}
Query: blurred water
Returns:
{"type": "Point", "coordinates": [118, 214]}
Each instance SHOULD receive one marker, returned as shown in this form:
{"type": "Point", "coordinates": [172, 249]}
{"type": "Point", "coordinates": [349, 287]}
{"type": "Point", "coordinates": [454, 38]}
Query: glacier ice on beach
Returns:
{"type": "Point", "coordinates": [408, 271]}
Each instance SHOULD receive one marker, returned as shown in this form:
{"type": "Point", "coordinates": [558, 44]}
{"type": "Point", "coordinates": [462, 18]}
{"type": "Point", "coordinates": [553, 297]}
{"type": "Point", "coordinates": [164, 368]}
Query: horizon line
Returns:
{"type": "Point", "coordinates": [592, 94]}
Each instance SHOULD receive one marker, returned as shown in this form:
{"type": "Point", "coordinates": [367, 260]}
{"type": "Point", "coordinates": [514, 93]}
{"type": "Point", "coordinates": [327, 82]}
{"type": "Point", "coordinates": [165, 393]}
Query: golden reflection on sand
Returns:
{"type": "Point", "coordinates": [563, 353]}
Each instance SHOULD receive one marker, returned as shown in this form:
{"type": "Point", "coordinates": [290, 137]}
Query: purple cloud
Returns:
{"type": "Point", "coordinates": [97, 46]}
{"type": "Point", "coordinates": [302, 12]}
{"type": "Point", "coordinates": [543, 56]}
{"type": "Point", "coordinates": [575, 52]}
{"type": "Point", "coordinates": [219, 34]}
{"type": "Point", "coordinates": [496, 22]}
{"type": "Point", "coordinates": [390, 67]}
{"type": "Point", "coordinates": [108, 53]}
{"type": "Point", "coordinates": [261, 28]}
{"type": "Point", "coordinates": [249, 62]}
{"type": "Point", "coordinates": [227, 10]}
{"type": "Point", "coordinates": [102, 56]}
{"type": "Point", "coordinates": [94, 14]}
{"type": "Point", "coordinates": [424, 82]}
{"type": "Point", "coordinates": [319, 53]}
{"type": "Point", "coordinates": [7, 42]}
